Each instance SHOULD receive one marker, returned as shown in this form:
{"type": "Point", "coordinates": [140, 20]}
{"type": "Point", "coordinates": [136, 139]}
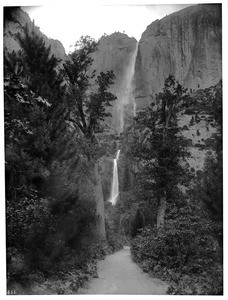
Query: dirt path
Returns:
{"type": "Point", "coordinates": [119, 275]}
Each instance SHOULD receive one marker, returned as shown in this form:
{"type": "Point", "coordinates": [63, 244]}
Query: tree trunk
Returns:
{"type": "Point", "coordinates": [161, 211]}
{"type": "Point", "coordinates": [98, 193]}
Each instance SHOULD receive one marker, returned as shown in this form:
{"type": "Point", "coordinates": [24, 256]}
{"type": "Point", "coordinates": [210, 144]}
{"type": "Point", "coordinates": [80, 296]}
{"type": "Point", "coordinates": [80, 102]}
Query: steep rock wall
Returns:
{"type": "Point", "coordinates": [116, 52]}
{"type": "Point", "coordinates": [186, 44]}
{"type": "Point", "coordinates": [15, 19]}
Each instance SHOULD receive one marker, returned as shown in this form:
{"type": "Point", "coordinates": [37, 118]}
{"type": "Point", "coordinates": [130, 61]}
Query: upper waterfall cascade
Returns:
{"type": "Point", "coordinates": [125, 95]}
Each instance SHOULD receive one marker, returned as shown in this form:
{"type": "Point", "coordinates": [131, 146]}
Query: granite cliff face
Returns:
{"type": "Point", "coordinates": [117, 52]}
{"type": "Point", "coordinates": [15, 19]}
{"type": "Point", "coordinates": [186, 44]}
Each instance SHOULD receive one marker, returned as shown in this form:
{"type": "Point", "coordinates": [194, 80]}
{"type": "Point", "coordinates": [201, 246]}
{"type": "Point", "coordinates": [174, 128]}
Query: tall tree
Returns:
{"type": "Point", "coordinates": [43, 74]}
{"type": "Point", "coordinates": [161, 147]}
{"type": "Point", "coordinates": [35, 106]}
{"type": "Point", "coordinates": [89, 95]}
{"type": "Point", "coordinates": [89, 98]}
{"type": "Point", "coordinates": [210, 182]}
{"type": "Point", "coordinates": [40, 67]}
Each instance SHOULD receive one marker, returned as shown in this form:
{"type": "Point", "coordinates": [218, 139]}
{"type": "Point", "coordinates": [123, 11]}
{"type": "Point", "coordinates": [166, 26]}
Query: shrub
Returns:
{"type": "Point", "coordinates": [187, 246]}
{"type": "Point", "coordinates": [41, 231]}
{"type": "Point", "coordinates": [29, 223]}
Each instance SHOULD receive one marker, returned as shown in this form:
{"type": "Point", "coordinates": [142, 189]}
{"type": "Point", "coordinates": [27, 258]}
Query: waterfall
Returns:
{"type": "Point", "coordinates": [126, 99]}
{"type": "Point", "coordinates": [131, 79]}
{"type": "Point", "coordinates": [125, 94]}
{"type": "Point", "coordinates": [115, 182]}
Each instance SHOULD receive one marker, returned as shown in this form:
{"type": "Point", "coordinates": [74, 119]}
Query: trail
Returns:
{"type": "Point", "coordinates": [118, 274]}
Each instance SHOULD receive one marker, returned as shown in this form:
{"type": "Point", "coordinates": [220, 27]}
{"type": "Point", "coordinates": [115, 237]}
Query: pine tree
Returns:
{"type": "Point", "coordinates": [35, 106]}
{"type": "Point", "coordinates": [88, 93]}
{"type": "Point", "coordinates": [89, 97]}
{"type": "Point", "coordinates": [44, 77]}
{"type": "Point", "coordinates": [40, 66]}
{"type": "Point", "coordinates": [210, 182]}
{"type": "Point", "coordinates": [161, 147]}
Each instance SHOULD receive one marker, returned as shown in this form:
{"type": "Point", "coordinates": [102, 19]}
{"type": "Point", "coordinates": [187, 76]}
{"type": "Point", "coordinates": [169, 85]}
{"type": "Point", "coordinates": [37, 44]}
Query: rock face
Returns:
{"type": "Point", "coordinates": [15, 19]}
{"type": "Point", "coordinates": [117, 52]}
{"type": "Point", "coordinates": [186, 44]}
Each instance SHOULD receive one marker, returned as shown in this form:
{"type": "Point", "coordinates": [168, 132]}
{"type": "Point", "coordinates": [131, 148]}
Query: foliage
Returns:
{"type": "Point", "coordinates": [27, 136]}
{"type": "Point", "coordinates": [115, 239]}
{"type": "Point", "coordinates": [72, 272]}
{"type": "Point", "coordinates": [40, 229]}
{"type": "Point", "coordinates": [209, 184]}
{"type": "Point", "coordinates": [39, 66]}
{"type": "Point", "coordinates": [137, 224]}
{"type": "Point", "coordinates": [161, 148]}
{"type": "Point", "coordinates": [187, 245]}
{"type": "Point", "coordinates": [188, 249]}
{"type": "Point", "coordinates": [50, 207]}
{"type": "Point", "coordinates": [32, 89]}
{"type": "Point", "coordinates": [88, 100]}
{"type": "Point", "coordinates": [157, 149]}
{"type": "Point", "coordinates": [114, 232]}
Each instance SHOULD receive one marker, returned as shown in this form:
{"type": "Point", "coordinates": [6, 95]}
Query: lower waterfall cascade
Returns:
{"type": "Point", "coordinates": [115, 182]}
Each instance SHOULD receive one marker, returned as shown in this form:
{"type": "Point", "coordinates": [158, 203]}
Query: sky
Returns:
{"type": "Point", "coordinates": [67, 23]}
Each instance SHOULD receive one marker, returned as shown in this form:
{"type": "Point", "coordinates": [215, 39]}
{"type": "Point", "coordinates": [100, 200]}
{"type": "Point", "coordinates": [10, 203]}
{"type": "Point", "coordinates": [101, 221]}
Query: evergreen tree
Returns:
{"type": "Point", "coordinates": [89, 97]}
{"type": "Point", "coordinates": [26, 134]}
{"type": "Point", "coordinates": [210, 181]}
{"type": "Point", "coordinates": [88, 93]}
{"type": "Point", "coordinates": [160, 147]}
{"type": "Point", "coordinates": [40, 67]}
{"type": "Point", "coordinates": [43, 74]}
{"type": "Point", "coordinates": [35, 112]}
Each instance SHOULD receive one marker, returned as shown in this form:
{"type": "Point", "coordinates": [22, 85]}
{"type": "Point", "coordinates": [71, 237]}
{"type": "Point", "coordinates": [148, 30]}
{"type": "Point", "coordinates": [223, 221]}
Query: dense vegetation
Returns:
{"type": "Point", "coordinates": [170, 214]}
{"type": "Point", "coordinates": [178, 233]}
{"type": "Point", "coordinates": [52, 114]}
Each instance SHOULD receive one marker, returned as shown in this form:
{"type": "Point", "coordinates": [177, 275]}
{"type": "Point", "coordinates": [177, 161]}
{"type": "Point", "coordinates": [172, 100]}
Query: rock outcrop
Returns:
{"type": "Point", "coordinates": [14, 20]}
{"type": "Point", "coordinates": [186, 44]}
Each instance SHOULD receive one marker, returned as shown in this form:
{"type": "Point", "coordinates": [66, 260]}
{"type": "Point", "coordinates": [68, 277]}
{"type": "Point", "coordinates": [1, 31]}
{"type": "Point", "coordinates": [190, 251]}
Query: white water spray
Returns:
{"type": "Point", "coordinates": [131, 79]}
{"type": "Point", "coordinates": [115, 181]}
{"type": "Point", "coordinates": [125, 94]}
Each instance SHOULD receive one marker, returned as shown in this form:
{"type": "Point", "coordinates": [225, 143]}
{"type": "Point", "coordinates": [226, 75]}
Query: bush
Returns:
{"type": "Point", "coordinates": [186, 246]}
{"type": "Point", "coordinates": [114, 233]}
{"type": "Point", "coordinates": [41, 231]}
